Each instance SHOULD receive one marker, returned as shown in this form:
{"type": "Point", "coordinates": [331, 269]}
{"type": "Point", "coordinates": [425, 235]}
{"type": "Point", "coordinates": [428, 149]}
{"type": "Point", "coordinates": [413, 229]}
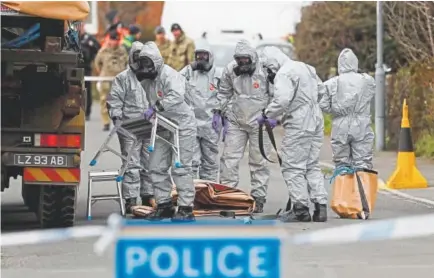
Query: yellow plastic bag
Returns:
{"type": "Point", "coordinates": [354, 195]}
{"type": "Point", "coordinates": [66, 10]}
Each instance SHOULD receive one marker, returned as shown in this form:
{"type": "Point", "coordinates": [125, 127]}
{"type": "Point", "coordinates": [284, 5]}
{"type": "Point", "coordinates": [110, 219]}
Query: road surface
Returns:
{"type": "Point", "coordinates": [71, 259]}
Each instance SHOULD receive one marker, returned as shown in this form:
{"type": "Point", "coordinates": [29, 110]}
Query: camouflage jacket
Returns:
{"type": "Point", "coordinates": [164, 50]}
{"type": "Point", "coordinates": [181, 52]}
{"type": "Point", "coordinates": [111, 61]}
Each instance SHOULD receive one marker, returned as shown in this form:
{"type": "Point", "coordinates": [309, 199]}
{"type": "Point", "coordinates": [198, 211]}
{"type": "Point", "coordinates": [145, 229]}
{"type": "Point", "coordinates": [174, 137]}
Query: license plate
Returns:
{"type": "Point", "coordinates": [40, 160]}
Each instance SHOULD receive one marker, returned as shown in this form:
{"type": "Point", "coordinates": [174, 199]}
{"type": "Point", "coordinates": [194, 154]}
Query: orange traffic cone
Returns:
{"type": "Point", "coordinates": [406, 174]}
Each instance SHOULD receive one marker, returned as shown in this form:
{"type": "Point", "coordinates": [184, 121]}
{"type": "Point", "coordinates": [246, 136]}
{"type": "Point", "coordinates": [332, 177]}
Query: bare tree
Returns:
{"type": "Point", "coordinates": [411, 24]}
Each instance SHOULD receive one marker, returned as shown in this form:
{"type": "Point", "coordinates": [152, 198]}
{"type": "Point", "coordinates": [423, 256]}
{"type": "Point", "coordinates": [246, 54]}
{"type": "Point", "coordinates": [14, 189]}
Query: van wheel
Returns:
{"type": "Point", "coordinates": [57, 206]}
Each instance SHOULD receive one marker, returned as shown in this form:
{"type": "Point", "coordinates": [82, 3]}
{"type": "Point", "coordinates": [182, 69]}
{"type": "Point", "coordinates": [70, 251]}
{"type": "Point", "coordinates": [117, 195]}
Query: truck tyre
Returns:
{"type": "Point", "coordinates": [31, 196]}
{"type": "Point", "coordinates": [57, 206]}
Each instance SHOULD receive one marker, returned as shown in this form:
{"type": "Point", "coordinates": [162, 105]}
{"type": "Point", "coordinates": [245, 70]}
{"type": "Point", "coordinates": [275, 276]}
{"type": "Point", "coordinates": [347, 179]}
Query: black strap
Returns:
{"type": "Point", "coordinates": [223, 125]}
{"type": "Point", "coordinates": [363, 199]}
{"type": "Point", "coordinates": [266, 216]}
{"type": "Point", "coordinates": [272, 140]}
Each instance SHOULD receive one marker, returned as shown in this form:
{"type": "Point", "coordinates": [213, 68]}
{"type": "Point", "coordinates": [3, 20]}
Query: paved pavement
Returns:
{"type": "Point", "coordinates": [70, 259]}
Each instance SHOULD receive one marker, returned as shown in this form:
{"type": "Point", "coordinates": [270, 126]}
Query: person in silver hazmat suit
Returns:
{"type": "Point", "coordinates": [243, 93]}
{"type": "Point", "coordinates": [296, 90]}
{"type": "Point", "coordinates": [127, 100]}
{"type": "Point", "coordinates": [165, 89]}
{"type": "Point", "coordinates": [348, 98]}
{"type": "Point", "coordinates": [201, 95]}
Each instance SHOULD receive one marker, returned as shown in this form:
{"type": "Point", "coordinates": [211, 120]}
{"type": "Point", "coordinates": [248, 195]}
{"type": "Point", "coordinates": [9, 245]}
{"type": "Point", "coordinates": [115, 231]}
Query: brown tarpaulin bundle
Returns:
{"type": "Point", "coordinates": [65, 10]}
{"type": "Point", "coordinates": [212, 198]}
{"type": "Point", "coordinates": [354, 195]}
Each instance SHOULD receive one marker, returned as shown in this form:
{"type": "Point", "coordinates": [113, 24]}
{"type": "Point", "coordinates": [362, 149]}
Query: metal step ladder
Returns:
{"type": "Point", "coordinates": [103, 176]}
{"type": "Point", "coordinates": [136, 129]}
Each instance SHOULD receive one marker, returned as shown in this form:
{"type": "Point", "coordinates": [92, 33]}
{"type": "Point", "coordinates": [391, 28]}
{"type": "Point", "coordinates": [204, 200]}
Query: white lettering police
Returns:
{"type": "Point", "coordinates": [180, 261]}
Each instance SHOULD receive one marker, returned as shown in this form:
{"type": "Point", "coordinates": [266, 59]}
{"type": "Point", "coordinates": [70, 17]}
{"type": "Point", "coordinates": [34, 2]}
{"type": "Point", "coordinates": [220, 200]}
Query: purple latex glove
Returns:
{"type": "Point", "coordinates": [261, 120]}
{"type": "Point", "coordinates": [272, 122]}
{"type": "Point", "coordinates": [217, 122]}
{"type": "Point", "coordinates": [149, 113]}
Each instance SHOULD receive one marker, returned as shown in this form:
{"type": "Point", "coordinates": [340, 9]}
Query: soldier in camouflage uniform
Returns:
{"type": "Point", "coordinates": [110, 61]}
{"type": "Point", "coordinates": [163, 43]}
{"type": "Point", "coordinates": [181, 50]}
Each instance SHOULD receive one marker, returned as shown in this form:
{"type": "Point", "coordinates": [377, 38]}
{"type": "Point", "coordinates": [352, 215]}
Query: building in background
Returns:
{"type": "Point", "coordinates": [146, 14]}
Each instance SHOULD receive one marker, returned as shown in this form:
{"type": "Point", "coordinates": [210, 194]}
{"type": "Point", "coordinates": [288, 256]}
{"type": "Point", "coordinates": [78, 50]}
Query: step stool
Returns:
{"type": "Point", "coordinates": [136, 129]}
{"type": "Point", "coordinates": [98, 176]}
{"type": "Point", "coordinates": [161, 122]}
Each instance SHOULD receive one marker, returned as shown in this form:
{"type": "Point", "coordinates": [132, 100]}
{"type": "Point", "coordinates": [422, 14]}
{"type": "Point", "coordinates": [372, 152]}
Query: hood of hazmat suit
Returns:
{"type": "Point", "coordinates": [243, 97]}
{"type": "Point", "coordinates": [166, 92]}
{"type": "Point", "coordinates": [201, 92]}
{"type": "Point", "coordinates": [127, 98]}
{"type": "Point", "coordinates": [348, 99]}
{"type": "Point", "coordinates": [296, 89]}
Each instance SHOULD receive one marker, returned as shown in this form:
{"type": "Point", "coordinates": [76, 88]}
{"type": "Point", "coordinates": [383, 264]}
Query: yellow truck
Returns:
{"type": "Point", "coordinates": [42, 106]}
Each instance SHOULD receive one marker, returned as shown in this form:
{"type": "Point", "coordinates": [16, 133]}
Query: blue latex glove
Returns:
{"type": "Point", "coordinates": [149, 113]}
{"type": "Point", "coordinates": [217, 122]}
{"type": "Point", "coordinates": [225, 129]}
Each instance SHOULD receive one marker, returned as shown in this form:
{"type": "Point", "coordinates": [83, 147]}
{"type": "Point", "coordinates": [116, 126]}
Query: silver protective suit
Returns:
{"type": "Point", "coordinates": [127, 100]}
{"type": "Point", "coordinates": [242, 99]}
{"type": "Point", "coordinates": [296, 89]}
{"type": "Point", "coordinates": [168, 88]}
{"type": "Point", "coordinates": [347, 99]}
{"type": "Point", "coordinates": [201, 95]}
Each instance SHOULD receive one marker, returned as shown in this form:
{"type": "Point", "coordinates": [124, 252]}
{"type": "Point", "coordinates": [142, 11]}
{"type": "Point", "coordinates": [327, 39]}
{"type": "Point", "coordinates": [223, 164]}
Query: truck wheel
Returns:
{"type": "Point", "coordinates": [57, 206]}
{"type": "Point", "coordinates": [31, 196]}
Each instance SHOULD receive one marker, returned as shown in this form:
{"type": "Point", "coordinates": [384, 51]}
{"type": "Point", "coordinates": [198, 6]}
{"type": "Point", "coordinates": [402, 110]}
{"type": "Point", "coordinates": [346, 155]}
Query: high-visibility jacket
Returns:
{"type": "Point", "coordinates": [122, 32]}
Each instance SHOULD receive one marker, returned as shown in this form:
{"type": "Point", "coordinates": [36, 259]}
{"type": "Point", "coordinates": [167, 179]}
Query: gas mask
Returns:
{"type": "Point", "coordinates": [133, 61]}
{"type": "Point", "coordinates": [244, 65]}
{"type": "Point", "coordinates": [202, 61]}
{"type": "Point", "coordinates": [146, 69]}
{"type": "Point", "coordinates": [271, 75]}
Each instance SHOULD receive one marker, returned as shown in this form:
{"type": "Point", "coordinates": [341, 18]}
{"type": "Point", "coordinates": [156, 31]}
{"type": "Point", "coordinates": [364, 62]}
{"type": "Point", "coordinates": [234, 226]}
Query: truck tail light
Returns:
{"type": "Point", "coordinates": [57, 141]}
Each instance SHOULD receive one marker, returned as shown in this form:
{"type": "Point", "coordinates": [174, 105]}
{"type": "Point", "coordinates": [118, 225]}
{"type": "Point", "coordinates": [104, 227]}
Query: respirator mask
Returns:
{"type": "Point", "coordinates": [244, 65]}
{"type": "Point", "coordinates": [271, 75]}
{"type": "Point", "coordinates": [146, 69]}
{"type": "Point", "coordinates": [202, 61]}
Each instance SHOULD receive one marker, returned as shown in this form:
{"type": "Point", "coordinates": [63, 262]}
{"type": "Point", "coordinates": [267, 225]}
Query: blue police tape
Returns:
{"type": "Point", "coordinates": [399, 228]}
{"type": "Point", "coordinates": [51, 235]}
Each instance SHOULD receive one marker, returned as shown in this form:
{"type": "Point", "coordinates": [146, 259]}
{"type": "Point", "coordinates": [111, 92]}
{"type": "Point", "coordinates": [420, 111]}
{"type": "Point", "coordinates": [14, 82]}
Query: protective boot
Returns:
{"type": "Point", "coordinates": [299, 213]}
{"type": "Point", "coordinates": [148, 200]}
{"type": "Point", "coordinates": [184, 214]}
{"type": "Point", "coordinates": [320, 213]}
{"type": "Point", "coordinates": [163, 211]}
{"type": "Point", "coordinates": [259, 204]}
{"type": "Point", "coordinates": [129, 203]}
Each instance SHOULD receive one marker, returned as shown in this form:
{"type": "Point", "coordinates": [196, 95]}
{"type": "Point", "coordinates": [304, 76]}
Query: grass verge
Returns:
{"type": "Point", "coordinates": [425, 146]}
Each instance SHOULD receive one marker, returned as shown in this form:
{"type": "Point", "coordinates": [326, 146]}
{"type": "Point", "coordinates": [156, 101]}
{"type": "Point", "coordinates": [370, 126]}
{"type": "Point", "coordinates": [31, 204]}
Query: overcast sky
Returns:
{"type": "Point", "coordinates": [272, 19]}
